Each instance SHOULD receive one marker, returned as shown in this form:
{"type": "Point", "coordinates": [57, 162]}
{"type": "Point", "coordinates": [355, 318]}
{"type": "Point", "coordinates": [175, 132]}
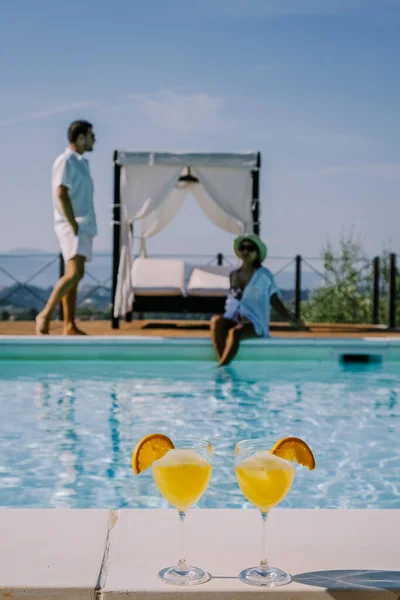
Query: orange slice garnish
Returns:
{"type": "Point", "coordinates": [149, 449]}
{"type": "Point", "coordinates": [293, 448]}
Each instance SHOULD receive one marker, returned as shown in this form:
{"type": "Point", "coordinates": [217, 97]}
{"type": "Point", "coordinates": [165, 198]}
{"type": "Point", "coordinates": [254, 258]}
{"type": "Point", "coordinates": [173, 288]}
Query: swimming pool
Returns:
{"type": "Point", "coordinates": [68, 428]}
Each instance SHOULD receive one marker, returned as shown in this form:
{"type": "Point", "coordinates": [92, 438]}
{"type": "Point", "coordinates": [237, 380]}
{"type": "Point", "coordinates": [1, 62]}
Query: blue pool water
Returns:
{"type": "Point", "coordinates": [68, 429]}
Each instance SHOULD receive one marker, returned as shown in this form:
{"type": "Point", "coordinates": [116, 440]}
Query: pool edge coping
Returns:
{"type": "Point", "coordinates": [109, 535]}
{"type": "Point", "coordinates": [155, 340]}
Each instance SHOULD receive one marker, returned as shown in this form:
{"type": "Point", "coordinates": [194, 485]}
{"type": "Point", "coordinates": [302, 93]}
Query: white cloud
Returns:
{"type": "Point", "coordinates": [48, 112]}
{"type": "Point", "coordinates": [185, 113]}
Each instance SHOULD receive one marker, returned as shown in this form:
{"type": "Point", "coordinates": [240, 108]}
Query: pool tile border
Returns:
{"type": "Point", "coordinates": [159, 348]}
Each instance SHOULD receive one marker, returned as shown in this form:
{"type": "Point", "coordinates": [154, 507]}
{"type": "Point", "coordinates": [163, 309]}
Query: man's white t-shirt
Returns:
{"type": "Point", "coordinates": [72, 170]}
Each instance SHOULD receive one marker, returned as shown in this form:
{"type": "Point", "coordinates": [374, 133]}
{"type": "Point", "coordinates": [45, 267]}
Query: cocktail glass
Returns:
{"type": "Point", "coordinates": [182, 476]}
{"type": "Point", "coordinates": [264, 480]}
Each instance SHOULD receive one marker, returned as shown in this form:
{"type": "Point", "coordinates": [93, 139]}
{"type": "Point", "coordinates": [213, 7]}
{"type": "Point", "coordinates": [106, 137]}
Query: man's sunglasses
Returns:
{"type": "Point", "coordinates": [248, 247]}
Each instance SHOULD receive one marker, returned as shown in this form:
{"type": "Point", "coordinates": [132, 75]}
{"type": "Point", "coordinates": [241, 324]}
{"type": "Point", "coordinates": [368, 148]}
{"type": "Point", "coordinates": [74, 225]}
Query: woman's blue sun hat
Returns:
{"type": "Point", "coordinates": [251, 237]}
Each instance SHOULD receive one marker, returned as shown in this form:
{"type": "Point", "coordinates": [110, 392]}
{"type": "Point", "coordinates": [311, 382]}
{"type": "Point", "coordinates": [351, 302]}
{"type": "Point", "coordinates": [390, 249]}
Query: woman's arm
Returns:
{"type": "Point", "coordinates": [278, 305]}
{"type": "Point", "coordinates": [232, 278]}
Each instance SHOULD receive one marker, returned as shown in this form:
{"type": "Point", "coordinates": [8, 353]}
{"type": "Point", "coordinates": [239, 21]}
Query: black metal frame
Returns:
{"type": "Point", "coordinates": [297, 300]}
{"type": "Point", "coordinates": [178, 304]}
{"type": "Point", "coordinates": [392, 291]}
{"type": "Point", "coordinates": [376, 275]}
{"type": "Point", "coordinates": [116, 236]}
{"type": "Point", "coordinates": [255, 208]}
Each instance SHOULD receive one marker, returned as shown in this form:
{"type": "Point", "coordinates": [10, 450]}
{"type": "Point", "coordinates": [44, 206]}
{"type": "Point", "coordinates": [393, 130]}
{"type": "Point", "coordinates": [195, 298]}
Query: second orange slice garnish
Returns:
{"type": "Point", "coordinates": [149, 449]}
{"type": "Point", "coordinates": [292, 448]}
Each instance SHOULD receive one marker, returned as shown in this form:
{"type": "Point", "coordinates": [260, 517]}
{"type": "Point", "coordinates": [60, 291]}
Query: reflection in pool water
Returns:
{"type": "Point", "coordinates": [68, 429]}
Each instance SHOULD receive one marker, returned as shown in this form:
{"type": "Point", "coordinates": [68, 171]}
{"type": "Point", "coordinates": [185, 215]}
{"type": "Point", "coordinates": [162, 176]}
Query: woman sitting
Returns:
{"type": "Point", "coordinates": [247, 309]}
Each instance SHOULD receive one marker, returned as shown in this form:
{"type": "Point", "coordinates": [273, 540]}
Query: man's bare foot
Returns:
{"type": "Point", "coordinates": [42, 325]}
{"type": "Point", "coordinates": [73, 330]}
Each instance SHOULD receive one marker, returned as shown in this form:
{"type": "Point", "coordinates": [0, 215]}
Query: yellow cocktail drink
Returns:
{"type": "Point", "coordinates": [264, 479]}
{"type": "Point", "coordinates": [182, 477]}
{"type": "Point", "coordinates": [181, 471]}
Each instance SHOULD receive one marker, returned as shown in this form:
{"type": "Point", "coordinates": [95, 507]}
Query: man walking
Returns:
{"type": "Point", "coordinates": [74, 223]}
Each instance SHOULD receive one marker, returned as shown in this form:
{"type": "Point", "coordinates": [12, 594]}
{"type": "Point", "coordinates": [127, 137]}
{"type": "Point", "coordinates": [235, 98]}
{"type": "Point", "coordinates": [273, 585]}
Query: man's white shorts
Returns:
{"type": "Point", "coordinates": [72, 245]}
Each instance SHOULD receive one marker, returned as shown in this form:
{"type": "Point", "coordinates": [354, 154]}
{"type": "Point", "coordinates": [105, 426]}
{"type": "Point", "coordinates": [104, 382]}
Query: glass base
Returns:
{"type": "Point", "coordinates": [268, 578]}
{"type": "Point", "coordinates": [191, 576]}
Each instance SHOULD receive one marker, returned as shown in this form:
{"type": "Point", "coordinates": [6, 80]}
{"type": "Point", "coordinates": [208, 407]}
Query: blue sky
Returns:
{"type": "Point", "coordinates": [312, 84]}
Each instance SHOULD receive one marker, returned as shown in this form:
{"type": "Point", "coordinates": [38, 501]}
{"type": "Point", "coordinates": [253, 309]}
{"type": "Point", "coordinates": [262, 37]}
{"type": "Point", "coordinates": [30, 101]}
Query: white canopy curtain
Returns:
{"type": "Point", "coordinates": [151, 193]}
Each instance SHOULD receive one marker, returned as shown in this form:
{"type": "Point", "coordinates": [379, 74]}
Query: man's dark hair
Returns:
{"type": "Point", "coordinates": [76, 128]}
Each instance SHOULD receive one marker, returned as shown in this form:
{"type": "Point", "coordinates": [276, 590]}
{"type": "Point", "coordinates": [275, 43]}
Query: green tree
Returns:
{"type": "Point", "coordinates": [345, 296]}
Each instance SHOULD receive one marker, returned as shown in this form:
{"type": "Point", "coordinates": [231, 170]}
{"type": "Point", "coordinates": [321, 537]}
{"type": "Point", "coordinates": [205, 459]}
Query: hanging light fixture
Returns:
{"type": "Point", "coordinates": [185, 180]}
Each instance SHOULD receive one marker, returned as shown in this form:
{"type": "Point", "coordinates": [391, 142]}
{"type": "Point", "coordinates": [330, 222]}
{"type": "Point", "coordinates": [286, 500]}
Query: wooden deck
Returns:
{"type": "Point", "coordinates": [198, 329]}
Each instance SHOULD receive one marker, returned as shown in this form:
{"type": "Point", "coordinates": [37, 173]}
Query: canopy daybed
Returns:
{"type": "Point", "coordinates": [149, 189]}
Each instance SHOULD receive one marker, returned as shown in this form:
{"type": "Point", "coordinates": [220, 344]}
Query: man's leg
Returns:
{"type": "Point", "coordinates": [219, 327]}
{"type": "Point", "coordinates": [73, 274]}
{"type": "Point", "coordinates": [69, 309]}
{"type": "Point", "coordinates": [235, 335]}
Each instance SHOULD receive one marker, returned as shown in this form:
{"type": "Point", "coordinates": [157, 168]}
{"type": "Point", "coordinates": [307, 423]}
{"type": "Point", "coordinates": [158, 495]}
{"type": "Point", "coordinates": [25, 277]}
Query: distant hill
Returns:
{"type": "Point", "coordinates": [24, 251]}
{"type": "Point", "coordinates": [22, 264]}
{"type": "Point", "coordinates": [42, 268]}
{"type": "Point", "coordinates": [15, 299]}
{"type": "Point", "coordinates": [309, 280]}
{"type": "Point", "coordinates": [27, 276]}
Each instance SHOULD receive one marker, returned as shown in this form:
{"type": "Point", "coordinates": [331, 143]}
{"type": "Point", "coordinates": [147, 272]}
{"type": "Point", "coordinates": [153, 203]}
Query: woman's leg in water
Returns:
{"type": "Point", "coordinates": [240, 332]}
{"type": "Point", "coordinates": [219, 327]}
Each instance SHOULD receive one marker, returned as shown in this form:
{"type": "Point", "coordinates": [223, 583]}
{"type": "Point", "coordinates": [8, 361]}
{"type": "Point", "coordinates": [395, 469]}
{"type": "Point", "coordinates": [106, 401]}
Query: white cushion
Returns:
{"type": "Point", "coordinates": [209, 281]}
{"type": "Point", "coordinates": [158, 277]}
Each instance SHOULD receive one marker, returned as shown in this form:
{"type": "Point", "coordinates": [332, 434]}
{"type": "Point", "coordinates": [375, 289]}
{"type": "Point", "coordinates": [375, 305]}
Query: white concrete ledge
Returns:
{"type": "Point", "coordinates": [51, 553]}
{"type": "Point", "coordinates": [80, 554]}
{"type": "Point", "coordinates": [159, 348]}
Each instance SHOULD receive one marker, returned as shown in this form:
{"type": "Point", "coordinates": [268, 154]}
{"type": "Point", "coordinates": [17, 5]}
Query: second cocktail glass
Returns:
{"type": "Point", "coordinates": [264, 480]}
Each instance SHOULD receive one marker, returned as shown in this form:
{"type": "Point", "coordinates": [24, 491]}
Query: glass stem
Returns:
{"type": "Point", "coordinates": [182, 566]}
{"type": "Point", "coordinates": [264, 566]}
